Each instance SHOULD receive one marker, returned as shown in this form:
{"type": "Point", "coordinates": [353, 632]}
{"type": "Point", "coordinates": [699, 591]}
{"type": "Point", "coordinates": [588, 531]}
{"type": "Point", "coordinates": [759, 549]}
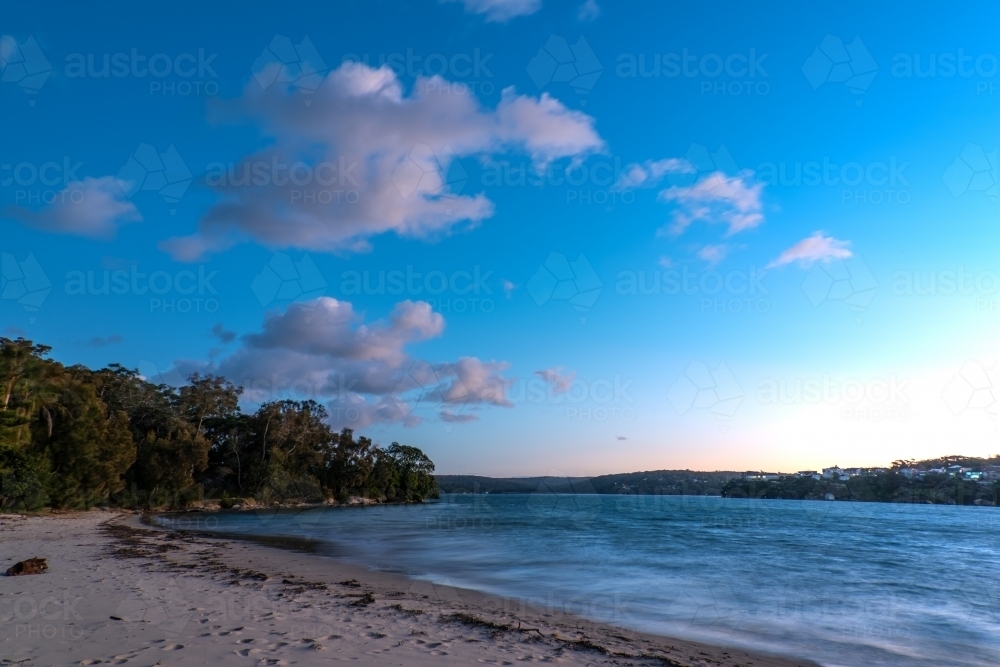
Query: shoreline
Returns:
{"type": "Point", "coordinates": [129, 591]}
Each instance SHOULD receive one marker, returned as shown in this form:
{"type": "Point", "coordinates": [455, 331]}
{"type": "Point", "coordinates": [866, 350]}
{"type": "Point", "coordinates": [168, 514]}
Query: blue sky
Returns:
{"type": "Point", "coordinates": [610, 237]}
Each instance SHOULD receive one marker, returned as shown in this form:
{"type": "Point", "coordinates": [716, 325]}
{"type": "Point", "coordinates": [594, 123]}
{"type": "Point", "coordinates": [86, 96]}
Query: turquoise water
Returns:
{"type": "Point", "coordinates": [845, 584]}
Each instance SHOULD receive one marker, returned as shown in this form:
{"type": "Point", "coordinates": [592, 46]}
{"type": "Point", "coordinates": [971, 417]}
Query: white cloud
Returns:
{"type": "Point", "coordinates": [717, 198]}
{"type": "Point", "coordinates": [816, 248]}
{"type": "Point", "coordinates": [713, 197]}
{"type": "Point", "coordinates": [473, 382]}
{"type": "Point", "coordinates": [94, 208]}
{"type": "Point", "coordinates": [326, 327]}
{"type": "Point", "coordinates": [325, 351]}
{"type": "Point", "coordinates": [370, 160]}
{"type": "Point", "coordinates": [588, 11]}
{"type": "Point", "coordinates": [500, 11]}
{"type": "Point", "coordinates": [557, 380]}
{"type": "Point", "coordinates": [713, 254]}
{"type": "Point", "coordinates": [651, 172]}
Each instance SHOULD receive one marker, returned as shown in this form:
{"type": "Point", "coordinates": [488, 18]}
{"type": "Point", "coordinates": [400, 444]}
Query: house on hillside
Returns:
{"type": "Point", "coordinates": [758, 475]}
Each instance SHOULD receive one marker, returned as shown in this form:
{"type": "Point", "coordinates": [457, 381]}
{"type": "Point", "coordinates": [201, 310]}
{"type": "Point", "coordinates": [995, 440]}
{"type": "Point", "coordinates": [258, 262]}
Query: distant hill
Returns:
{"type": "Point", "coordinates": [650, 482]}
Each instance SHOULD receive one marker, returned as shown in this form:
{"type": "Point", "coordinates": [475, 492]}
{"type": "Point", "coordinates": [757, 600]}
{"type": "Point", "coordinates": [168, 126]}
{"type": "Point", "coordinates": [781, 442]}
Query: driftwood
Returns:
{"type": "Point", "coordinates": [30, 566]}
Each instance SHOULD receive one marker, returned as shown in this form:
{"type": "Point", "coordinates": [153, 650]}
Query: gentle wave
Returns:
{"type": "Point", "coordinates": [846, 584]}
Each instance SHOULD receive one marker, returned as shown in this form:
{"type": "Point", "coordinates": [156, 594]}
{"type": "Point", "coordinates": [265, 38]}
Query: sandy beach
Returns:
{"type": "Point", "coordinates": [121, 592]}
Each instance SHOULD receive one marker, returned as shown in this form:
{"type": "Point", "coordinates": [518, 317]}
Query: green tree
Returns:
{"type": "Point", "coordinates": [87, 447]}
{"type": "Point", "coordinates": [19, 482]}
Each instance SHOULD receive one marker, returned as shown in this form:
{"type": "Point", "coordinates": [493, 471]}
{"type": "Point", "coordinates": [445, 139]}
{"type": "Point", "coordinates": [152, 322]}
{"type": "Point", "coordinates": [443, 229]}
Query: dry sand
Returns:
{"type": "Point", "coordinates": [118, 592]}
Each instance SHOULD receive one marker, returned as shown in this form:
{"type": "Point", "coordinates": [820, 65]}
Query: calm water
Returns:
{"type": "Point", "coordinates": [850, 584]}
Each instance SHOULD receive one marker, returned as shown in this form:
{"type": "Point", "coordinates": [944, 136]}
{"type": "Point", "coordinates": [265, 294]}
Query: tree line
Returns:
{"type": "Point", "coordinates": [887, 487]}
{"type": "Point", "coordinates": [72, 437]}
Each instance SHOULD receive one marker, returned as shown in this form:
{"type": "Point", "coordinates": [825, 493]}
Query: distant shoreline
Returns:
{"type": "Point", "coordinates": [953, 480]}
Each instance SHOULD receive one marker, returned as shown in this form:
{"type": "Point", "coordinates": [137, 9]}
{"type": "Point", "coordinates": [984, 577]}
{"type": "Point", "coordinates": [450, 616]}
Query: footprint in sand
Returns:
{"type": "Point", "coordinates": [173, 647]}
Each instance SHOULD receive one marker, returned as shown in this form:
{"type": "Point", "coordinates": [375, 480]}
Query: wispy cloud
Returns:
{"type": "Point", "coordinates": [588, 11]}
{"type": "Point", "coordinates": [97, 341]}
{"type": "Point", "coordinates": [713, 254]}
{"type": "Point", "coordinates": [717, 198]}
{"type": "Point", "coordinates": [93, 207]}
{"type": "Point", "coordinates": [816, 248]}
{"type": "Point", "coordinates": [220, 332]}
{"type": "Point", "coordinates": [500, 11]}
{"type": "Point", "coordinates": [651, 172]}
{"type": "Point", "coordinates": [558, 380]}
{"type": "Point", "coordinates": [450, 416]}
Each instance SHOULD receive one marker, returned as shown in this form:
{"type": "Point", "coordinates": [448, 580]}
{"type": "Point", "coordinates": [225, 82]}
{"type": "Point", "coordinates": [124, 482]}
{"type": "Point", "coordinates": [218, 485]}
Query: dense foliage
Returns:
{"type": "Point", "coordinates": [74, 437]}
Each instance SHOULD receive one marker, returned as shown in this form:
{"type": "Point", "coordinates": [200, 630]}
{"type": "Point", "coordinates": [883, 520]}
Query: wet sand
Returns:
{"type": "Point", "coordinates": [119, 591]}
